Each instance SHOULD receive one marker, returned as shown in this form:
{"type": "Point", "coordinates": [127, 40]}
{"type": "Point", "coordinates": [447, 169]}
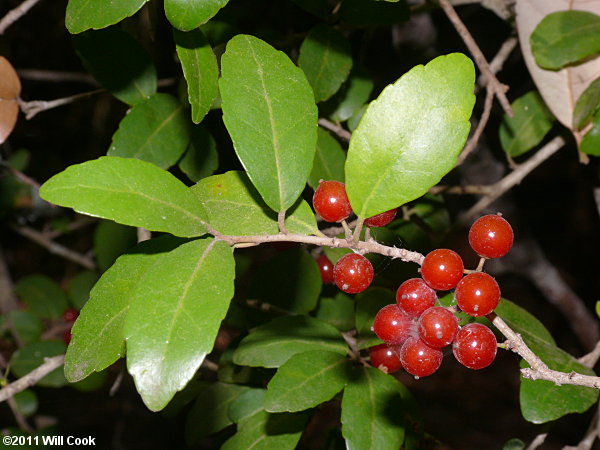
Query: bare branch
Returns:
{"type": "Point", "coordinates": [32, 377]}
{"type": "Point", "coordinates": [487, 108]}
{"type": "Point", "coordinates": [338, 130]}
{"type": "Point", "coordinates": [15, 14]}
{"type": "Point", "coordinates": [538, 441]}
{"type": "Point", "coordinates": [56, 76]}
{"type": "Point", "coordinates": [461, 190]}
{"type": "Point", "coordinates": [498, 61]}
{"type": "Point", "coordinates": [592, 357]}
{"type": "Point", "coordinates": [33, 108]}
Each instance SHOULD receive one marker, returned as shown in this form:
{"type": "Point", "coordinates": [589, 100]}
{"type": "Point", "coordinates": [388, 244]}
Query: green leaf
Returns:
{"type": "Point", "coordinates": [543, 401]}
{"type": "Point", "coordinates": [189, 14]}
{"type": "Point", "coordinates": [338, 311]}
{"type": "Point", "coordinates": [329, 160]}
{"type": "Point", "coordinates": [79, 287]}
{"type": "Point", "coordinates": [531, 122]}
{"type": "Point", "coordinates": [234, 207]}
{"type": "Point", "coordinates": [270, 113]}
{"type": "Point", "coordinates": [247, 404]}
{"type": "Point", "coordinates": [98, 338]}
{"type": "Point", "coordinates": [82, 14]}
{"type": "Point", "coordinates": [598, 308]}
{"type": "Point", "coordinates": [290, 280]}
{"type": "Point", "coordinates": [27, 325]}
{"type": "Point", "coordinates": [175, 314]}
{"type": "Point", "coordinates": [111, 240]}
{"type": "Point", "coordinates": [335, 253]}
{"type": "Point", "coordinates": [210, 412]}
{"type": "Point", "coordinates": [200, 70]}
{"type": "Point", "coordinates": [352, 96]}
{"type": "Point", "coordinates": [102, 51]}
{"type": "Point", "coordinates": [27, 402]}
{"type": "Point", "coordinates": [591, 141]}
{"type": "Point", "coordinates": [272, 344]}
{"type": "Point", "coordinates": [410, 137]}
{"type": "Point", "coordinates": [201, 158]}
{"type": "Point", "coordinates": [306, 380]}
{"type": "Point", "coordinates": [42, 295]}
{"type": "Point", "coordinates": [326, 59]}
{"type": "Point", "coordinates": [372, 411]}
{"type": "Point", "coordinates": [565, 37]}
{"type": "Point", "coordinates": [588, 104]}
{"type": "Point", "coordinates": [514, 444]}
{"type": "Point", "coordinates": [368, 304]}
{"type": "Point", "coordinates": [128, 191]}
{"type": "Point", "coordinates": [368, 12]}
{"type": "Point", "coordinates": [264, 431]}
{"type": "Point", "coordinates": [30, 357]}
{"type": "Point", "coordinates": [155, 130]}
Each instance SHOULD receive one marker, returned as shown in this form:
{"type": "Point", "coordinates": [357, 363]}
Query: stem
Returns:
{"type": "Point", "coordinates": [358, 229]}
{"type": "Point", "coordinates": [32, 377]}
{"type": "Point", "coordinates": [281, 222]}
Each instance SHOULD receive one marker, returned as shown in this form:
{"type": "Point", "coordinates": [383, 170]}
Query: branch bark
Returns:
{"type": "Point", "coordinates": [15, 14]}
{"type": "Point", "coordinates": [32, 377]}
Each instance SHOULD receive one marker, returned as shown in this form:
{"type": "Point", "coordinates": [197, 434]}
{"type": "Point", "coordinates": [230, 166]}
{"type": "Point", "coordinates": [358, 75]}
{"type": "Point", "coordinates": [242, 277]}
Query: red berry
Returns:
{"type": "Point", "coordinates": [353, 273]}
{"type": "Point", "coordinates": [70, 315]}
{"type": "Point", "coordinates": [438, 327]}
{"type": "Point", "coordinates": [326, 268]}
{"type": "Point", "coordinates": [491, 236]}
{"type": "Point", "coordinates": [385, 358]}
{"type": "Point", "coordinates": [418, 358]}
{"type": "Point", "coordinates": [381, 220]}
{"type": "Point", "coordinates": [442, 269]}
{"type": "Point", "coordinates": [67, 336]}
{"type": "Point", "coordinates": [392, 325]}
{"type": "Point", "coordinates": [477, 294]}
{"type": "Point", "coordinates": [414, 296]}
{"type": "Point", "coordinates": [331, 201]}
{"type": "Point", "coordinates": [475, 346]}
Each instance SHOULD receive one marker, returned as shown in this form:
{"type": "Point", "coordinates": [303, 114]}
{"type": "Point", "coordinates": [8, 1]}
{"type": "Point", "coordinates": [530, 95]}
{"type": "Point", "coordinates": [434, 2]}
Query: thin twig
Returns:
{"type": "Point", "coordinates": [33, 108]}
{"type": "Point", "coordinates": [353, 350]}
{"type": "Point", "coordinates": [56, 76]}
{"type": "Point", "coordinates": [487, 108]}
{"type": "Point", "coordinates": [81, 222]}
{"type": "Point", "coordinates": [32, 377]}
{"type": "Point", "coordinates": [498, 88]}
{"type": "Point", "coordinates": [281, 222]}
{"type": "Point", "coordinates": [20, 419]}
{"type": "Point", "coordinates": [537, 442]}
{"type": "Point", "coordinates": [15, 14]}
{"type": "Point", "coordinates": [461, 190]}
{"type": "Point", "coordinates": [338, 130]}
{"type": "Point", "coordinates": [590, 359]}
{"type": "Point", "coordinates": [590, 436]}
{"type": "Point", "coordinates": [498, 61]}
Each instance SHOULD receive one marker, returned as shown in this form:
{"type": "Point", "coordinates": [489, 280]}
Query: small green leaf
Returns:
{"type": "Point", "coordinates": [30, 357]}
{"type": "Point", "coordinates": [368, 304]}
{"type": "Point", "coordinates": [588, 104]}
{"type": "Point", "coordinates": [27, 402]}
{"type": "Point", "coordinates": [42, 295]}
{"type": "Point", "coordinates": [199, 69]}
{"type": "Point", "coordinates": [79, 287]}
{"type": "Point", "coordinates": [338, 311]}
{"type": "Point", "coordinates": [306, 380]}
{"type": "Point", "coordinates": [290, 280]}
{"type": "Point", "coordinates": [247, 404]}
{"type": "Point", "coordinates": [531, 122]}
{"type": "Point", "coordinates": [368, 12]}
{"type": "Point", "coordinates": [410, 137]}
{"type": "Point", "coordinates": [598, 309]}
{"type": "Point", "coordinates": [565, 37]}
{"type": "Point", "coordinates": [329, 160]}
{"type": "Point", "coordinates": [175, 314]}
{"type": "Point", "coordinates": [591, 141]}
{"type": "Point", "coordinates": [270, 113]}
{"type": "Point", "coordinates": [514, 444]}
{"type": "Point", "coordinates": [98, 339]}
{"type": "Point", "coordinates": [155, 130]}
{"type": "Point", "coordinates": [353, 95]}
{"type": "Point", "coordinates": [186, 15]}
{"type": "Point", "coordinates": [27, 325]}
{"type": "Point", "coordinates": [210, 412]}
{"type": "Point", "coordinates": [201, 158]}
{"type": "Point", "coordinates": [335, 253]}
{"type": "Point", "coordinates": [83, 14]}
{"type": "Point", "coordinates": [111, 240]}
{"type": "Point", "coordinates": [326, 59]}
{"type": "Point", "coordinates": [102, 51]}
{"type": "Point", "coordinates": [373, 412]}
{"type": "Point", "coordinates": [272, 344]}
{"type": "Point", "coordinates": [128, 191]}
{"type": "Point", "coordinates": [234, 207]}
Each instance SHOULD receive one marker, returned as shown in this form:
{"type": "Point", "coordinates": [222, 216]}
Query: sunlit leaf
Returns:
{"type": "Point", "coordinates": [588, 104]}
{"type": "Point", "coordinates": [82, 14]}
{"type": "Point", "coordinates": [189, 14]}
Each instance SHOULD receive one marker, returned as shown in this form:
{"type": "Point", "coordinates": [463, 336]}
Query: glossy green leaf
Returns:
{"type": "Point", "coordinates": [27, 325]}
{"type": "Point", "coordinates": [111, 240]}
{"type": "Point", "coordinates": [155, 130]}
{"type": "Point", "coordinates": [102, 51]}
{"type": "Point", "coordinates": [353, 95]}
{"type": "Point", "coordinates": [329, 160]}
{"type": "Point", "coordinates": [272, 344]}
{"type": "Point", "coordinates": [369, 12]}
{"type": "Point", "coordinates": [26, 402]}
{"type": "Point", "coordinates": [306, 380]}
{"type": "Point", "coordinates": [264, 431]}
{"type": "Point", "coordinates": [368, 304]}
{"type": "Point", "coordinates": [128, 191]}
{"type": "Point", "coordinates": [270, 113]}
{"type": "Point", "coordinates": [98, 338]}
{"type": "Point", "coordinates": [201, 158]}
{"type": "Point", "coordinates": [543, 401]}
{"type": "Point", "coordinates": [530, 123]}
{"type": "Point", "coordinates": [565, 37]}
{"type": "Point", "coordinates": [79, 287]}
{"type": "Point", "coordinates": [210, 412]}
{"type": "Point", "coordinates": [234, 207]}
{"type": "Point", "coordinates": [247, 404]}
{"type": "Point", "coordinates": [514, 444]}
{"type": "Point", "coordinates": [372, 411]}
{"type": "Point", "coordinates": [174, 317]}
{"type": "Point", "coordinates": [410, 137]}
{"type": "Point", "coordinates": [31, 356]}
{"type": "Point", "coordinates": [338, 311]}
{"type": "Point", "coordinates": [189, 14]}
{"type": "Point", "coordinates": [42, 295]}
{"type": "Point", "coordinates": [290, 280]}
{"type": "Point", "coordinates": [82, 14]}
{"type": "Point", "coordinates": [326, 59]}
{"type": "Point", "coordinates": [200, 70]}
{"type": "Point", "coordinates": [591, 141]}
{"type": "Point", "coordinates": [588, 104]}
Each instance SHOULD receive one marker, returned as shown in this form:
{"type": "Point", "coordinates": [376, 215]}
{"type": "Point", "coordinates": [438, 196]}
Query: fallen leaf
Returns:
{"type": "Point", "coordinates": [10, 88]}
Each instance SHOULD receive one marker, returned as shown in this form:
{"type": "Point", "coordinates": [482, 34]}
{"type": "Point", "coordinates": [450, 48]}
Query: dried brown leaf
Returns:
{"type": "Point", "coordinates": [10, 88]}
